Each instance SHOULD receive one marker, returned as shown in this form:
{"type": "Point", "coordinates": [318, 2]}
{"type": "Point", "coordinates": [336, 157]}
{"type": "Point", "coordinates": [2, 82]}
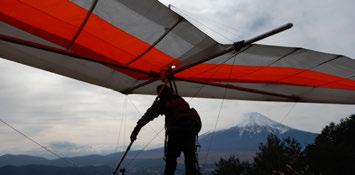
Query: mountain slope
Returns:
{"type": "Point", "coordinates": [53, 170]}
{"type": "Point", "coordinates": [251, 129]}
{"type": "Point", "coordinates": [19, 160]}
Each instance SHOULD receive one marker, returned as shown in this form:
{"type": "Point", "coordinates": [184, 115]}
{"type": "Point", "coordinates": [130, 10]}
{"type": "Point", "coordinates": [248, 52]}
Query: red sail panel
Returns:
{"type": "Point", "coordinates": [272, 75]}
{"type": "Point", "coordinates": [99, 39]}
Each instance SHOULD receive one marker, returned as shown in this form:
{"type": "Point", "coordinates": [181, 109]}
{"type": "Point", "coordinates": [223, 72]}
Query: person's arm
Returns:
{"type": "Point", "coordinates": [153, 112]}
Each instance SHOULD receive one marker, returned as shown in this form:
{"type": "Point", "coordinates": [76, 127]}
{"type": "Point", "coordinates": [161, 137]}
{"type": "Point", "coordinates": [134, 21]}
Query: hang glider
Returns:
{"type": "Point", "coordinates": [128, 45]}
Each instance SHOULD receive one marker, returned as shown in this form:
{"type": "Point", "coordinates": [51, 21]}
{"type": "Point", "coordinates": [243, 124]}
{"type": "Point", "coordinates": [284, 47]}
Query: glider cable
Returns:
{"type": "Point", "coordinates": [235, 47]}
{"type": "Point", "coordinates": [124, 134]}
{"type": "Point", "coordinates": [331, 82]}
{"type": "Point", "coordinates": [219, 114]}
{"type": "Point", "coordinates": [216, 24]}
{"type": "Point", "coordinates": [295, 98]}
{"type": "Point", "coordinates": [311, 68]}
{"type": "Point", "coordinates": [40, 145]}
{"type": "Point", "coordinates": [229, 86]}
{"type": "Point", "coordinates": [215, 71]}
{"type": "Point", "coordinates": [131, 143]}
{"type": "Point", "coordinates": [288, 112]}
{"type": "Point", "coordinates": [140, 113]}
{"type": "Point", "coordinates": [201, 23]}
{"type": "Point", "coordinates": [245, 89]}
{"type": "Point", "coordinates": [145, 146]}
{"type": "Point", "coordinates": [272, 63]}
{"type": "Point", "coordinates": [122, 112]}
{"type": "Point", "coordinates": [215, 125]}
{"type": "Point", "coordinates": [235, 31]}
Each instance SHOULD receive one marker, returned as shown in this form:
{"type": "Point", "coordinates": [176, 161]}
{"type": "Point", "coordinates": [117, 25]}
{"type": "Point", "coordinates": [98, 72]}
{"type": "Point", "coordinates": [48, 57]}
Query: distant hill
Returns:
{"type": "Point", "coordinates": [20, 160]}
{"type": "Point", "coordinates": [90, 160]}
{"type": "Point", "coordinates": [52, 170]}
{"type": "Point", "coordinates": [242, 139]}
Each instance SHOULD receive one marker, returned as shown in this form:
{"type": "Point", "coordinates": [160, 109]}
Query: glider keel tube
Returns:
{"type": "Point", "coordinates": [235, 47]}
{"type": "Point", "coordinates": [270, 33]}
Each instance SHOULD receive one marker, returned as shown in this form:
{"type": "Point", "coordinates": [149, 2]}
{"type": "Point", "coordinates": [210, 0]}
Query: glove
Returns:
{"type": "Point", "coordinates": [135, 133]}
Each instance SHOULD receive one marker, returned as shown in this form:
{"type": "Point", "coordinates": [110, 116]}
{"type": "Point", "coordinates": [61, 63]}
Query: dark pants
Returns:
{"type": "Point", "coordinates": [177, 143]}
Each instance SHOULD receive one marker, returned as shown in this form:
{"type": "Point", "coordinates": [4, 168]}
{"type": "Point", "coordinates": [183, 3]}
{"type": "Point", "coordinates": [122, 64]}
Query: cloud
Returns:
{"type": "Point", "coordinates": [70, 149]}
{"type": "Point", "coordinates": [64, 145]}
{"type": "Point", "coordinates": [323, 25]}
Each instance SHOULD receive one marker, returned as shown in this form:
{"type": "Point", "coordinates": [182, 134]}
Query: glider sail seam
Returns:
{"type": "Point", "coordinates": [156, 42]}
{"type": "Point", "coordinates": [71, 54]}
{"type": "Point", "coordinates": [94, 3]}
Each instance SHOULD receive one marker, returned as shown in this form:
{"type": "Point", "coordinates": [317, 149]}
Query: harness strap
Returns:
{"type": "Point", "coordinates": [165, 145]}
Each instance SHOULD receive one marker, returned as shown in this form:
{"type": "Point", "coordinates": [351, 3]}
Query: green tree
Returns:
{"type": "Point", "coordinates": [231, 166]}
{"type": "Point", "coordinates": [334, 149]}
{"type": "Point", "coordinates": [275, 157]}
{"type": "Point", "coordinates": [279, 157]}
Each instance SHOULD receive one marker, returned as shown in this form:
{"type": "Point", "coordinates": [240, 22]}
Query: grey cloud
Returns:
{"type": "Point", "coordinates": [70, 149]}
{"type": "Point", "coordinates": [64, 149]}
{"type": "Point", "coordinates": [320, 25]}
{"type": "Point", "coordinates": [64, 145]}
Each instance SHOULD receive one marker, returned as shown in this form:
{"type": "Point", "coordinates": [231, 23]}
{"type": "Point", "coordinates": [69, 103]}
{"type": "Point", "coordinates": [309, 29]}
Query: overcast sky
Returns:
{"type": "Point", "coordinates": [76, 118]}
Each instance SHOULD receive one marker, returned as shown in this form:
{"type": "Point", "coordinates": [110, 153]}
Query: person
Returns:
{"type": "Point", "coordinates": [182, 125]}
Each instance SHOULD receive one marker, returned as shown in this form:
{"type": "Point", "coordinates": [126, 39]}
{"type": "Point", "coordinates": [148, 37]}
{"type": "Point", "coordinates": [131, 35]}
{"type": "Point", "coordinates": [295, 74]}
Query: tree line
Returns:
{"type": "Point", "coordinates": [332, 153]}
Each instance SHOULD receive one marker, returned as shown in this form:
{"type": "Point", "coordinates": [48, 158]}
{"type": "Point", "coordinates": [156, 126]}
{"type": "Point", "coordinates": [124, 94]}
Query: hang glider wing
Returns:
{"type": "Point", "coordinates": [125, 44]}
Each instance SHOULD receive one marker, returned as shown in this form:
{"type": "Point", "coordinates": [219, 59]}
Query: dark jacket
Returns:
{"type": "Point", "coordinates": [177, 113]}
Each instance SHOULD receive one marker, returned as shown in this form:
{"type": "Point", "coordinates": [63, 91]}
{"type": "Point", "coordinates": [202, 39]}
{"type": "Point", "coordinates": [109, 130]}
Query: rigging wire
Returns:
{"type": "Point", "coordinates": [215, 70]}
{"type": "Point", "coordinates": [219, 114]}
{"type": "Point", "coordinates": [270, 64]}
{"type": "Point", "coordinates": [145, 146]}
{"type": "Point", "coordinates": [136, 108]}
{"type": "Point", "coordinates": [232, 31]}
{"type": "Point", "coordinates": [288, 112]}
{"type": "Point", "coordinates": [204, 25]}
{"type": "Point", "coordinates": [215, 126]}
{"type": "Point", "coordinates": [120, 125]}
{"type": "Point", "coordinates": [124, 126]}
{"type": "Point", "coordinates": [225, 90]}
{"type": "Point", "coordinates": [328, 83]}
{"type": "Point", "coordinates": [215, 67]}
{"type": "Point", "coordinates": [39, 144]}
{"type": "Point", "coordinates": [228, 58]}
{"type": "Point", "coordinates": [157, 134]}
{"type": "Point", "coordinates": [309, 69]}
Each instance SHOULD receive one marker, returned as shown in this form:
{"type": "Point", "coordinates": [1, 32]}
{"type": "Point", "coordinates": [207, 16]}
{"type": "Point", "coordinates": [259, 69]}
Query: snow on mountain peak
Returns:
{"type": "Point", "coordinates": [255, 119]}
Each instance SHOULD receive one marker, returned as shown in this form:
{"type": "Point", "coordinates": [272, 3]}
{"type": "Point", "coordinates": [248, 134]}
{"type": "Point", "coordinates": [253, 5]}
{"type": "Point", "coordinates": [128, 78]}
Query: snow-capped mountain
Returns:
{"type": "Point", "coordinates": [250, 130]}
{"type": "Point", "coordinates": [255, 123]}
